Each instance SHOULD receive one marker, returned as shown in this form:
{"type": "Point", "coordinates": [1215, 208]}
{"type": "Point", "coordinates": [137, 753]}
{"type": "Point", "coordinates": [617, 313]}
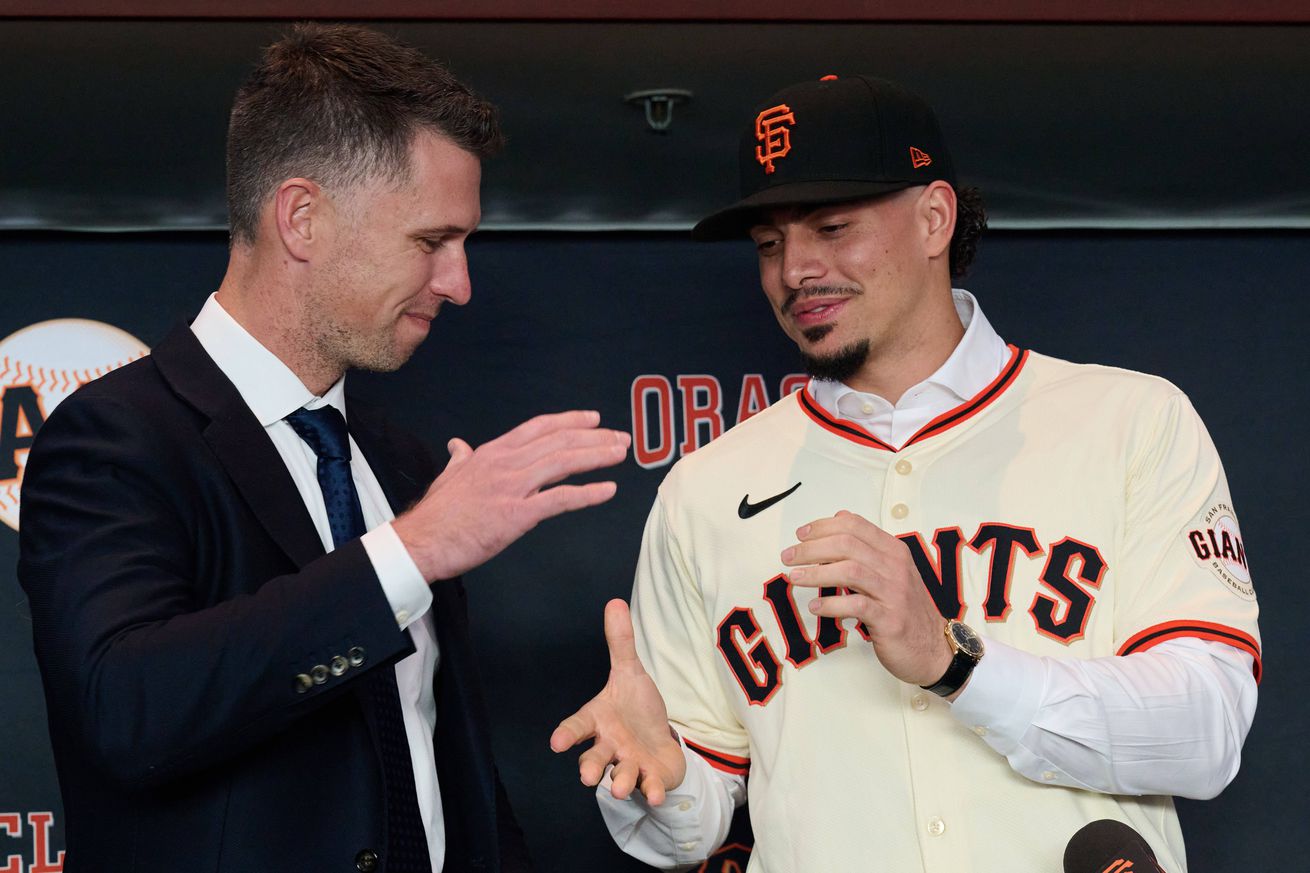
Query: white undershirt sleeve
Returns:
{"type": "Point", "coordinates": [1167, 721]}
{"type": "Point", "coordinates": [402, 583]}
{"type": "Point", "coordinates": [687, 828]}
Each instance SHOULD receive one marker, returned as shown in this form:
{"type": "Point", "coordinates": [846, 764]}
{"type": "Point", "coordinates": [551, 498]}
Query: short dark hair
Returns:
{"type": "Point", "coordinates": [970, 222]}
{"type": "Point", "coordinates": [341, 104]}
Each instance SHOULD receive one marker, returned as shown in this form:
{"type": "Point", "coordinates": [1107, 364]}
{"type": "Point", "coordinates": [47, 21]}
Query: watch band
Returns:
{"type": "Point", "coordinates": [967, 648]}
{"type": "Point", "coordinates": [955, 676]}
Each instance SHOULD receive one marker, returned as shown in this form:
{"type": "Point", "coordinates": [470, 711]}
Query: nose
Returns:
{"type": "Point", "coordinates": [450, 275]}
{"type": "Point", "coordinates": [800, 261]}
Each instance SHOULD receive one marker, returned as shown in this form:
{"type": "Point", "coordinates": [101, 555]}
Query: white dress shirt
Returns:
{"type": "Point", "coordinates": [272, 392]}
{"type": "Point", "coordinates": [1170, 720]}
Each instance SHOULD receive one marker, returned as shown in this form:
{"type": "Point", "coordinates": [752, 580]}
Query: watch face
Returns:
{"type": "Point", "coordinates": [968, 641]}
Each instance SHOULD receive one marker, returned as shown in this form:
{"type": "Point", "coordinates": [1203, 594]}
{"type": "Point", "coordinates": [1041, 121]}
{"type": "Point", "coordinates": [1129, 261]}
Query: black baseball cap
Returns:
{"type": "Point", "coordinates": [840, 138]}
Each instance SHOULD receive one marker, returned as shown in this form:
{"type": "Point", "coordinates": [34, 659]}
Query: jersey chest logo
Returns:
{"type": "Point", "coordinates": [1070, 578]}
{"type": "Point", "coordinates": [746, 509]}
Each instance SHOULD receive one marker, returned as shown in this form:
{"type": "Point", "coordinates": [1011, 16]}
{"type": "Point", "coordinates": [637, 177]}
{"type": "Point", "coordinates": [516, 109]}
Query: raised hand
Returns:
{"type": "Point", "coordinates": [488, 497]}
{"type": "Point", "coordinates": [883, 590]}
{"type": "Point", "coordinates": [628, 722]}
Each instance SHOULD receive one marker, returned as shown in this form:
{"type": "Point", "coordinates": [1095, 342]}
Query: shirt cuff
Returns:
{"type": "Point", "coordinates": [1002, 696]}
{"type": "Point", "coordinates": [402, 583]}
{"type": "Point", "coordinates": [674, 832]}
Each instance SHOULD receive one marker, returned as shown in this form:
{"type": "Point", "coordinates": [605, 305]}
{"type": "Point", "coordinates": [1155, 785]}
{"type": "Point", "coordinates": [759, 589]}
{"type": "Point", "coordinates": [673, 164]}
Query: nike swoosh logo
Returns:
{"type": "Point", "coordinates": [746, 509]}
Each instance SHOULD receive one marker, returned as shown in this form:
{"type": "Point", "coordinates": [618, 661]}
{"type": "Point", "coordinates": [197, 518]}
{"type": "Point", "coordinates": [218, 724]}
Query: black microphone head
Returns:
{"type": "Point", "coordinates": [1109, 846]}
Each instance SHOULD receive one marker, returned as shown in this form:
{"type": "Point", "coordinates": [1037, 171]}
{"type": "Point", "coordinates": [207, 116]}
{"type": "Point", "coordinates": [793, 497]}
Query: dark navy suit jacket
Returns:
{"type": "Point", "coordinates": [178, 587]}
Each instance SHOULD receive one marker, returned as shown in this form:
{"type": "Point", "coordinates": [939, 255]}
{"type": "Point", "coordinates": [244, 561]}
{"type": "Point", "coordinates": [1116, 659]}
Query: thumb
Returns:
{"type": "Point", "coordinates": [619, 636]}
{"type": "Point", "coordinates": [460, 452]}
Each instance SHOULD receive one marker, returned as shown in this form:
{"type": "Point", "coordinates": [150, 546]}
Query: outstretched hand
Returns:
{"type": "Point", "coordinates": [628, 722]}
{"type": "Point", "coordinates": [488, 497]}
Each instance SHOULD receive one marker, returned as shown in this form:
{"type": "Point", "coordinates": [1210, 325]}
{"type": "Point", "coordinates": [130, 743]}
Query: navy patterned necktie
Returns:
{"type": "Point", "coordinates": [324, 430]}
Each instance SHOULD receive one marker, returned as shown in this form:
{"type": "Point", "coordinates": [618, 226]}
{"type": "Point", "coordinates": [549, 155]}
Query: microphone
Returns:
{"type": "Point", "coordinates": [1109, 846]}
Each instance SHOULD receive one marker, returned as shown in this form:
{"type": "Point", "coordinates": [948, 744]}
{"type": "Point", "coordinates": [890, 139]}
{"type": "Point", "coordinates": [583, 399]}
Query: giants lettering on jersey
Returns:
{"type": "Point", "coordinates": [1071, 574]}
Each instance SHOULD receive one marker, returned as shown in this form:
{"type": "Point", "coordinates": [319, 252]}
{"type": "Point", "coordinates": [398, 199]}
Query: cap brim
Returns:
{"type": "Point", "coordinates": [734, 221]}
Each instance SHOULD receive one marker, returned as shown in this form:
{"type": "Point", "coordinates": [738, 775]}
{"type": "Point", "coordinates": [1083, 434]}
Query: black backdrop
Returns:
{"type": "Point", "coordinates": [560, 321]}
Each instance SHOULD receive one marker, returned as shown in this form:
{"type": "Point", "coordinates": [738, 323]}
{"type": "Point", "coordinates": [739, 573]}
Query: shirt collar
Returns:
{"type": "Point", "coordinates": [266, 384]}
{"type": "Point", "coordinates": [976, 360]}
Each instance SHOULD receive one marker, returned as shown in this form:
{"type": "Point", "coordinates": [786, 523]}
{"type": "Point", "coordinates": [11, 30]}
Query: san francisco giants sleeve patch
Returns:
{"type": "Point", "coordinates": [1215, 542]}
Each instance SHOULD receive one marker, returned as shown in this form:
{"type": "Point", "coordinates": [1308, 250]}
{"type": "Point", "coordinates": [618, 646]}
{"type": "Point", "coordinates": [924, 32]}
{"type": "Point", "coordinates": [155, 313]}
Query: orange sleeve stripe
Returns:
{"type": "Point", "coordinates": [721, 760]}
{"type": "Point", "coordinates": [1205, 630]}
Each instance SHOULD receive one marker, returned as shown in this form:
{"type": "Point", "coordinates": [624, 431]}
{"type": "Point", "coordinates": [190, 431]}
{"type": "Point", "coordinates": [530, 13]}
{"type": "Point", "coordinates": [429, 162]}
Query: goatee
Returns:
{"type": "Point", "coordinates": [838, 366]}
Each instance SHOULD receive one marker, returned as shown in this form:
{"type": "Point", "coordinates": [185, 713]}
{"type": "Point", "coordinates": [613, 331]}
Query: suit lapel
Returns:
{"type": "Point", "coordinates": [240, 444]}
{"type": "Point", "coordinates": [401, 477]}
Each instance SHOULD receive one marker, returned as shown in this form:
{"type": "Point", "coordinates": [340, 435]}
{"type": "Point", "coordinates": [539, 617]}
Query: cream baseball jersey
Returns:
{"type": "Point", "coordinates": [1071, 511]}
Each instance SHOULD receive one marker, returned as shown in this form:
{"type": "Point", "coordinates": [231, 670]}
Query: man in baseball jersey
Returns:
{"type": "Point", "coordinates": [949, 603]}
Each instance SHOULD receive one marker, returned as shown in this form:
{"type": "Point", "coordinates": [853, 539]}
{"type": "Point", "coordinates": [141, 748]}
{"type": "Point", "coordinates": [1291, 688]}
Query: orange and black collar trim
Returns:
{"type": "Point", "coordinates": [1203, 630]}
{"type": "Point", "coordinates": [853, 432]}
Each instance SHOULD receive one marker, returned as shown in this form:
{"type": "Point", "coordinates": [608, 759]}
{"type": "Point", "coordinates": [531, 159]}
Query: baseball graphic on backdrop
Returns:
{"type": "Point", "coordinates": [40, 365]}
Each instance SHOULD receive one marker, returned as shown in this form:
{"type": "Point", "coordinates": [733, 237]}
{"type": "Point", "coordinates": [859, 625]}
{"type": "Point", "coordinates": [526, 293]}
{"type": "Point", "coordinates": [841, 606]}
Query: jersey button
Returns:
{"type": "Point", "coordinates": [936, 826]}
{"type": "Point", "coordinates": [1048, 776]}
{"type": "Point", "coordinates": [687, 847]}
{"type": "Point", "coordinates": [919, 702]}
{"type": "Point", "coordinates": [904, 467]}
{"type": "Point", "coordinates": [899, 511]}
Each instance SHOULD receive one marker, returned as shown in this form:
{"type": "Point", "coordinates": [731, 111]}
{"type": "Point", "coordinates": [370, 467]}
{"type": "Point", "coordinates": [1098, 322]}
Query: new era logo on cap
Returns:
{"type": "Point", "coordinates": [919, 158]}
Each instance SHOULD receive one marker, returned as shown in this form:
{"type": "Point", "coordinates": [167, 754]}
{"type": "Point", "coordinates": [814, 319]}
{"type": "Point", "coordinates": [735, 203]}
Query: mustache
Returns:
{"type": "Point", "coordinates": [819, 291]}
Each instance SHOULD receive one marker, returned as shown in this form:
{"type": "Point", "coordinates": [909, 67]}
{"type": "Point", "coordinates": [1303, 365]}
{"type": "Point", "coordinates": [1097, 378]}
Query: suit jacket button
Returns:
{"type": "Point", "coordinates": [355, 655]}
{"type": "Point", "coordinates": [338, 665]}
{"type": "Point", "coordinates": [366, 861]}
{"type": "Point", "coordinates": [303, 683]}
{"type": "Point", "coordinates": [319, 674]}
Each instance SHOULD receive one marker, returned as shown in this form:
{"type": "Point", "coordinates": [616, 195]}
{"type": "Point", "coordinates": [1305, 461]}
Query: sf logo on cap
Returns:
{"type": "Point", "coordinates": [771, 129]}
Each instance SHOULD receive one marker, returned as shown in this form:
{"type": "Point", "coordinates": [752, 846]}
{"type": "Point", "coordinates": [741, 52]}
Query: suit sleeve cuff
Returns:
{"type": "Point", "coordinates": [402, 583]}
{"type": "Point", "coordinates": [1002, 697]}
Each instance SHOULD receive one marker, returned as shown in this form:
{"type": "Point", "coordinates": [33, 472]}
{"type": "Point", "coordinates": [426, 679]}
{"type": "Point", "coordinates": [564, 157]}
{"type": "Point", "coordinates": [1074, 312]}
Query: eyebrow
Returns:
{"type": "Point", "coordinates": [444, 229]}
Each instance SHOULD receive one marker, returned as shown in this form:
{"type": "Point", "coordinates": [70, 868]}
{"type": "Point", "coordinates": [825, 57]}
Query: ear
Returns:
{"type": "Point", "coordinates": [300, 213]}
{"type": "Point", "coordinates": [937, 207]}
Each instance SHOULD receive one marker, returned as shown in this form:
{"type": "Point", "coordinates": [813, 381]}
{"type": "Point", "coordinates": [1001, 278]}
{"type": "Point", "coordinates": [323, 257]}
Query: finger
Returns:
{"type": "Point", "coordinates": [592, 763]}
{"type": "Point", "coordinates": [569, 439]}
{"type": "Point", "coordinates": [842, 606]}
{"type": "Point", "coordinates": [623, 779]}
{"type": "Point", "coordinates": [838, 574]}
{"type": "Point", "coordinates": [619, 636]}
{"type": "Point", "coordinates": [653, 789]}
{"type": "Point", "coordinates": [460, 451]}
{"type": "Point", "coordinates": [542, 424]}
{"type": "Point", "coordinates": [848, 522]}
{"type": "Point", "coordinates": [568, 498]}
{"type": "Point", "coordinates": [840, 546]}
{"type": "Point", "coordinates": [558, 466]}
{"type": "Point", "coordinates": [573, 730]}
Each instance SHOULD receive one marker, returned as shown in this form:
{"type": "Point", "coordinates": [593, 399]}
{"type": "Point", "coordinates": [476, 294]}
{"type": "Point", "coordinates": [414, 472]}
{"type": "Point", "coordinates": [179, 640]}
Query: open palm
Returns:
{"type": "Point", "coordinates": [628, 722]}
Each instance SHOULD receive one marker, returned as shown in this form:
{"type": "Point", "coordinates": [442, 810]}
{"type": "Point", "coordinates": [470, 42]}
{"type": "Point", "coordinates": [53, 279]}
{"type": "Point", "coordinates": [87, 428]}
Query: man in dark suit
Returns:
{"type": "Point", "coordinates": [247, 640]}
